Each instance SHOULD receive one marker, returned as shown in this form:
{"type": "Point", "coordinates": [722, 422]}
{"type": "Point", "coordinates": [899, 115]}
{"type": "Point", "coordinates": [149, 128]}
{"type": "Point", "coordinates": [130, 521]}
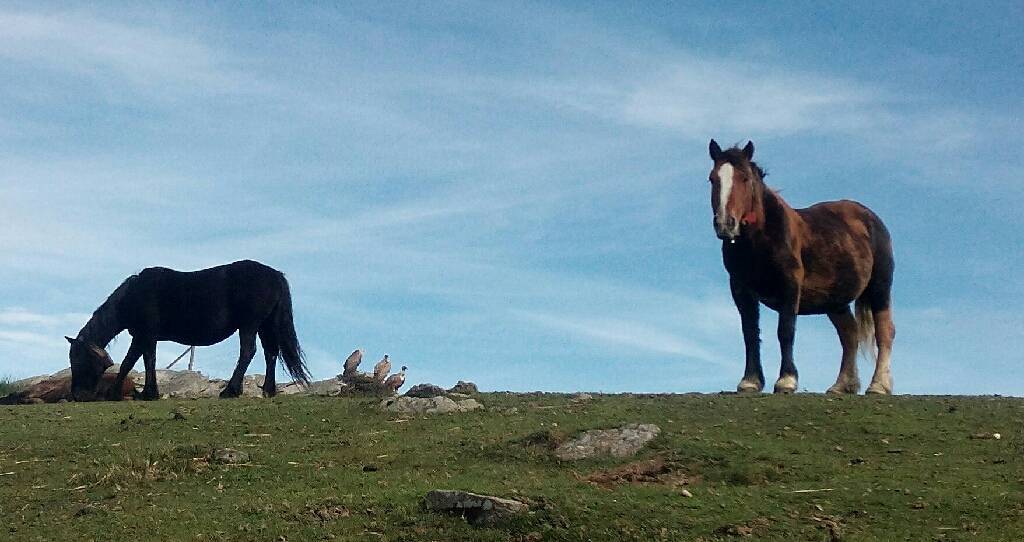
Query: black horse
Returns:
{"type": "Point", "coordinates": [196, 308]}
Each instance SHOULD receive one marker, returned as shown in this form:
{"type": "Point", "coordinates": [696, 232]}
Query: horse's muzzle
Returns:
{"type": "Point", "coordinates": [729, 230]}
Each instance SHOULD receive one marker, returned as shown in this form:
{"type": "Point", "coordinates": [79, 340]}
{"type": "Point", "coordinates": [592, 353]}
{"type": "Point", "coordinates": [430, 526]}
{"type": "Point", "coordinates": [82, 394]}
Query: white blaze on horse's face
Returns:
{"type": "Point", "coordinates": [726, 225]}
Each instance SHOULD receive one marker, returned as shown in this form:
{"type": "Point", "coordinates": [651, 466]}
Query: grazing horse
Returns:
{"type": "Point", "coordinates": [816, 260]}
{"type": "Point", "coordinates": [196, 308]}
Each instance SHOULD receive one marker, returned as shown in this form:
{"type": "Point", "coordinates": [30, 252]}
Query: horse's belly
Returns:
{"type": "Point", "coordinates": [205, 337]}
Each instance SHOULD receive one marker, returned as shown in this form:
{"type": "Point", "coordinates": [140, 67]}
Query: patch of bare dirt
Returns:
{"type": "Point", "coordinates": [650, 471]}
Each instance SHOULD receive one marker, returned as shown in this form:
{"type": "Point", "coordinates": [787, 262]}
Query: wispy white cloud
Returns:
{"type": "Point", "coordinates": [82, 43]}
{"type": "Point", "coordinates": [624, 333]}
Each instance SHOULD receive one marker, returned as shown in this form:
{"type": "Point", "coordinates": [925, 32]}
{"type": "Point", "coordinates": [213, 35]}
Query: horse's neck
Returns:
{"type": "Point", "coordinates": [102, 327]}
{"type": "Point", "coordinates": [779, 217]}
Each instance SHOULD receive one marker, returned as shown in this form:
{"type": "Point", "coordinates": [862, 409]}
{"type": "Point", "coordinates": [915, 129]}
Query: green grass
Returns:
{"type": "Point", "coordinates": [897, 468]}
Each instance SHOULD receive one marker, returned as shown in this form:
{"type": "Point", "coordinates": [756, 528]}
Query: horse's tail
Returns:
{"type": "Point", "coordinates": [288, 341]}
{"type": "Point", "coordinates": [866, 329]}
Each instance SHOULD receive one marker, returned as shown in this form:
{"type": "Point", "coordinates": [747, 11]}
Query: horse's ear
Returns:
{"type": "Point", "coordinates": [70, 340]}
{"type": "Point", "coordinates": [748, 151]}
{"type": "Point", "coordinates": [714, 150]}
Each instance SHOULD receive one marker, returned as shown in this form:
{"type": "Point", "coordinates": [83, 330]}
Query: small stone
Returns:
{"type": "Point", "coordinates": [230, 456]}
{"type": "Point", "coordinates": [370, 468]}
{"type": "Point", "coordinates": [686, 493]}
{"type": "Point", "coordinates": [996, 436]}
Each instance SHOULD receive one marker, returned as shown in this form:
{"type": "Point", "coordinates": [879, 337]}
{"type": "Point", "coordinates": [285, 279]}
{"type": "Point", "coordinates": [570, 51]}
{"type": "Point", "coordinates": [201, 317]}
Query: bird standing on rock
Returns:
{"type": "Point", "coordinates": [353, 361]}
{"type": "Point", "coordinates": [395, 381]}
{"type": "Point", "coordinates": [381, 369]}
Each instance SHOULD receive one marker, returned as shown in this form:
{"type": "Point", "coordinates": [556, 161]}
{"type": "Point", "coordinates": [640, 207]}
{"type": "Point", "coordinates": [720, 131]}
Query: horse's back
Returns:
{"type": "Point", "coordinates": [204, 306]}
{"type": "Point", "coordinates": [844, 245]}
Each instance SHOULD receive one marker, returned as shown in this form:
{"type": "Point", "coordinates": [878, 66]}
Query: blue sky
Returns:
{"type": "Point", "coordinates": [511, 194]}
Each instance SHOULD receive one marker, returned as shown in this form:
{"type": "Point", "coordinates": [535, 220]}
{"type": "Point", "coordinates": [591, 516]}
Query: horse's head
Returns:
{"type": "Point", "coordinates": [736, 190]}
{"type": "Point", "coordinates": [88, 363]}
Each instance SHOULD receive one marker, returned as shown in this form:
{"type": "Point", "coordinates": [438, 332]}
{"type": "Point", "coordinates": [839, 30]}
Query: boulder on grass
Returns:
{"type": "Point", "coordinates": [625, 441]}
{"type": "Point", "coordinates": [483, 510]}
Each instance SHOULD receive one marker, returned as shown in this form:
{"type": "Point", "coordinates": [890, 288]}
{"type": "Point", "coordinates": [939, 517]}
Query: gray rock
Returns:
{"type": "Point", "coordinates": [425, 391]}
{"type": "Point", "coordinates": [230, 456]}
{"type": "Point", "coordinates": [477, 509]}
{"type": "Point", "coordinates": [622, 442]}
{"type": "Point", "coordinates": [582, 397]}
{"type": "Point", "coordinates": [326, 388]}
{"type": "Point", "coordinates": [428, 405]}
{"type": "Point", "coordinates": [468, 388]}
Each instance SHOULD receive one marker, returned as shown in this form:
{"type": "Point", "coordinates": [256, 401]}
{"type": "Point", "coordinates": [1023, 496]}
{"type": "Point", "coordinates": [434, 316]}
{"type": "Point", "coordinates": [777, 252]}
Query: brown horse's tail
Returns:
{"type": "Point", "coordinates": [866, 329]}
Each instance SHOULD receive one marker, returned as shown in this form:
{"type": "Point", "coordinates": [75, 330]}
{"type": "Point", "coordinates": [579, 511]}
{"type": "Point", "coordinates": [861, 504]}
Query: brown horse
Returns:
{"type": "Point", "coordinates": [816, 260]}
{"type": "Point", "coordinates": [54, 390]}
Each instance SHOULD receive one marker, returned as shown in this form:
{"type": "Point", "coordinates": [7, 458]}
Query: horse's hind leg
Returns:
{"type": "Point", "coordinates": [271, 350]}
{"type": "Point", "coordinates": [246, 350]}
{"type": "Point", "coordinates": [885, 333]}
{"type": "Point", "coordinates": [846, 327]}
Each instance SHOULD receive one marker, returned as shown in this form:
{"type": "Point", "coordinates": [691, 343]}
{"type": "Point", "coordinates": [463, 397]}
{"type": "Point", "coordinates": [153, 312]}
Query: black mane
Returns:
{"type": "Point", "coordinates": [105, 322]}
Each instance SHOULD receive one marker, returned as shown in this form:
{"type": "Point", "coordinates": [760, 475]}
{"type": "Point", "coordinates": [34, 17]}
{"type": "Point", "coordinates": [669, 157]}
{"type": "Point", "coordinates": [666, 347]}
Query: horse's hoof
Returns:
{"type": "Point", "coordinates": [269, 393]}
{"type": "Point", "coordinates": [149, 395]}
{"type": "Point", "coordinates": [749, 386]}
{"type": "Point", "coordinates": [786, 384]}
{"type": "Point", "coordinates": [844, 388]}
{"type": "Point", "coordinates": [230, 393]}
{"type": "Point", "coordinates": [877, 389]}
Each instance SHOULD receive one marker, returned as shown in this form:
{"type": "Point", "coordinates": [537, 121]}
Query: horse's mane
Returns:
{"type": "Point", "coordinates": [105, 324]}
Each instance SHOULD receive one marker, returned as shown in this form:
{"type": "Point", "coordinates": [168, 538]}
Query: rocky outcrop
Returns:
{"type": "Point", "coordinates": [465, 388]}
{"type": "Point", "coordinates": [425, 391]}
{"type": "Point", "coordinates": [625, 441]}
{"type": "Point", "coordinates": [428, 405]}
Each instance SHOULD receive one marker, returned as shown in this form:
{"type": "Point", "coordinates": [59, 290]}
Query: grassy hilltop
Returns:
{"type": "Point", "coordinates": [895, 468]}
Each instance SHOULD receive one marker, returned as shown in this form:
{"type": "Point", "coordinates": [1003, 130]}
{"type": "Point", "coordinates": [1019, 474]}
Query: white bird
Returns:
{"type": "Point", "coordinates": [395, 381]}
{"type": "Point", "coordinates": [353, 361]}
{"type": "Point", "coordinates": [381, 369]}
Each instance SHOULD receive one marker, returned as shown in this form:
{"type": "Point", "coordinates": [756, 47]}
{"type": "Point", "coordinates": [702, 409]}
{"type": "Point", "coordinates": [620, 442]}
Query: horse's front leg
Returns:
{"type": "Point", "coordinates": [787, 382]}
{"type": "Point", "coordinates": [750, 314]}
{"type": "Point", "coordinates": [134, 353]}
{"type": "Point", "coordinates": [150, 391]}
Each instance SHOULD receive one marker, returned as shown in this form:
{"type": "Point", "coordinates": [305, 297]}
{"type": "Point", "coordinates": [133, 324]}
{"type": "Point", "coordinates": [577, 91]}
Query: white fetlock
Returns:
{"type": "Point", "coordinates": [749, 386]}
{"type": "Point", "coordinates": [786, 384]}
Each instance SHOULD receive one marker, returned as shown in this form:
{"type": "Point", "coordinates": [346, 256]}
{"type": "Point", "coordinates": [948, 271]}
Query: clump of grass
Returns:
{"type": "Point", "coordinates": [7, 386]}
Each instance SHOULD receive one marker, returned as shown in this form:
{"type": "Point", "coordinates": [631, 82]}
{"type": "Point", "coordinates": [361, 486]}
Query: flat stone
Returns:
{"type": "Point", "coordinates": [428, 405]}
{"type": "Point", "coordinates": [477, 509]}
{"type": "Point", "coordinates": [624, 441]}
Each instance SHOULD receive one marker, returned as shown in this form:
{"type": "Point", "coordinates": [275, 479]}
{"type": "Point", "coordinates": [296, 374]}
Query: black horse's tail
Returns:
{"type": "Point", "coordinates": [288, 341]}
